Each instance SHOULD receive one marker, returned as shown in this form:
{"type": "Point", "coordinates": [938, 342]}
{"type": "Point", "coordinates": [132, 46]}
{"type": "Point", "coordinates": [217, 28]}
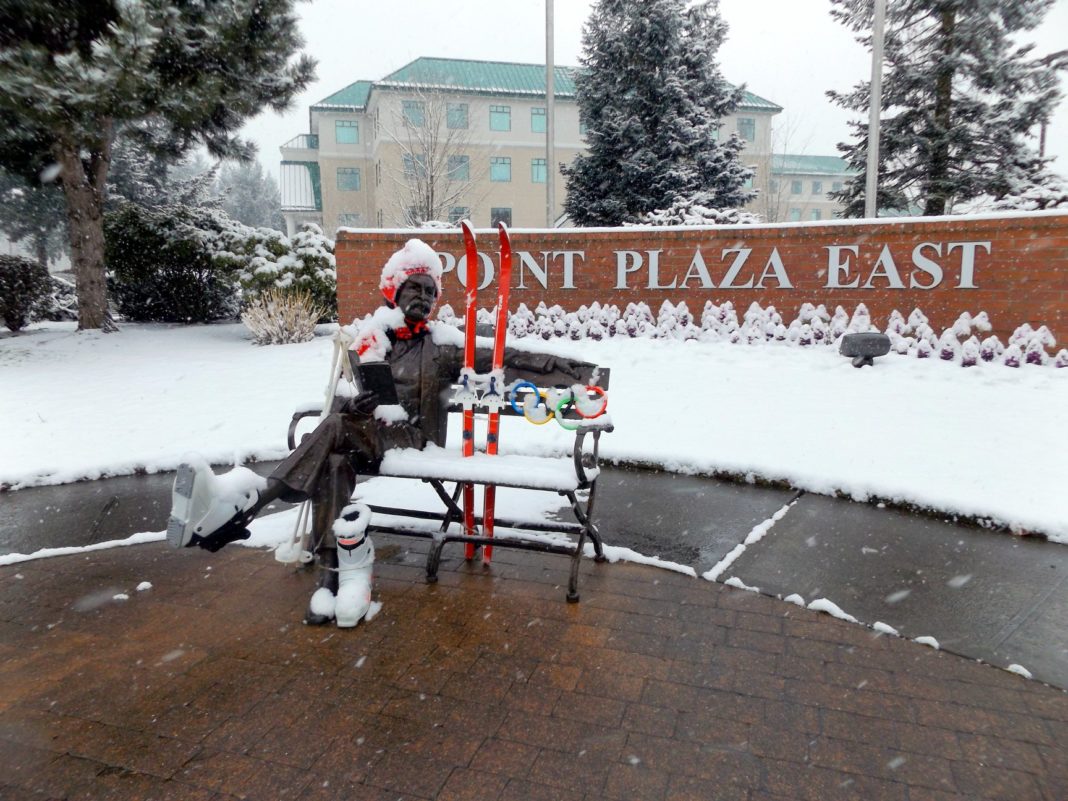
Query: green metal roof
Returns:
{"type": "Point", "coordinates": [485, 77]}
{"type": "Point", "coordinates": [481, 77]}
{"type": "Point", "coordinates": [787, 163]}
{"type": "Point", "coordinates": [751, 102]}
{"type": "Point", "coordinates": [353, 96]}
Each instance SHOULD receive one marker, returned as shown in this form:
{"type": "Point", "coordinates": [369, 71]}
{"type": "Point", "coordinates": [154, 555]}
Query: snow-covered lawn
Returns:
{"type": "Point", "coordinates": [987, 441]}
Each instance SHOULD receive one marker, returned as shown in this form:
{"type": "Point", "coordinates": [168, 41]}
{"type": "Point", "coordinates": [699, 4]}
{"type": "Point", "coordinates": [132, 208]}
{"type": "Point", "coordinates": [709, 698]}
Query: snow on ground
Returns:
{"type": "Point", "coordinates": [987, 441]}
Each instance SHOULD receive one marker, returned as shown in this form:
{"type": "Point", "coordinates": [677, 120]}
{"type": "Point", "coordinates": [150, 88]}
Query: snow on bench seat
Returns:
{"type": "Point", "coordinates": [536, 472]}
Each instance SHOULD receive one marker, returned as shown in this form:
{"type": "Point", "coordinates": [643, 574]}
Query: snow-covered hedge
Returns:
{"type": "Point", "coordinates": [184, 263]}
{"type": "Point", "coordinates": [161, 270]}
{"type": "Point", "coordinates": [24, 285]}
{"type": "Point", "coordinates": [964, 343]}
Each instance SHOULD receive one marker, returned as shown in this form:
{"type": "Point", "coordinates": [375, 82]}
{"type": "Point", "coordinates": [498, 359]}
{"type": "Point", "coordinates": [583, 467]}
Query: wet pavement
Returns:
{"type": "Point", "coordinates": [987, 595]}
{"type": "Point", "coordinates": [486, 686]}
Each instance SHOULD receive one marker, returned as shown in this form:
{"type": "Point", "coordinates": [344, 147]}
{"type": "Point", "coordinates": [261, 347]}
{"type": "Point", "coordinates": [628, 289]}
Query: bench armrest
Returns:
{"type": "Point", "coordinates": [291, 438]}
{"type": "Point", "coordinates": [595, 426]}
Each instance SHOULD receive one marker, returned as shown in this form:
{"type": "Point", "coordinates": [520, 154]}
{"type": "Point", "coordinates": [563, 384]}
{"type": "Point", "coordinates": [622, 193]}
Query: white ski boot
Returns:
{"type": "Point", "coordinates": [355, 560]}
{"type": "Point", "coordinates": [202, 503]}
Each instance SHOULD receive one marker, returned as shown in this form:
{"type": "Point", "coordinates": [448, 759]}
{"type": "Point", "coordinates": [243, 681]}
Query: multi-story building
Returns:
{"type": "Point", "coordinates": [447, 139]}
{"type": "Point", "coordinates": [799, 188]}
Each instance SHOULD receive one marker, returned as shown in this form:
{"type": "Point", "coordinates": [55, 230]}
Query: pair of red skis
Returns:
{"type": "Point", "coordinates": [496, 381]}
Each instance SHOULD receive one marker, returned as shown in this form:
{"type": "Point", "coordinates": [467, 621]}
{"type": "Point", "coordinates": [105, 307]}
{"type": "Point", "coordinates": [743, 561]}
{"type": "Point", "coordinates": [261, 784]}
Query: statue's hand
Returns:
{"type": "Point", "coordinates": [569, 367]}
{"type": "Point", "coordinates": [363, 404]}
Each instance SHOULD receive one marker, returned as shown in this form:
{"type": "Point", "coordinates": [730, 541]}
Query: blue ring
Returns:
{"type": "Point", "coordinates": [514, 391]}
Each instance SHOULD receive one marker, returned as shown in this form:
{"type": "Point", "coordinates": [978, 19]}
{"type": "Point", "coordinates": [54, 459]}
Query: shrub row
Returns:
{"type": "Point", "coordinates": [913, 336]}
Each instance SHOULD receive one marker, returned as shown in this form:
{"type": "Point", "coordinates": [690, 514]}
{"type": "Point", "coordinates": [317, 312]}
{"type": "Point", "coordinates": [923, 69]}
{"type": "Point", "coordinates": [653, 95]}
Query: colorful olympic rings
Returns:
{"type": "Point", "coordinates": [554, 407]}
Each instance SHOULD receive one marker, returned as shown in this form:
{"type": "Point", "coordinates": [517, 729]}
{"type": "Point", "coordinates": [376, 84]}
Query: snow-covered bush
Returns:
{"type": "Point", "coordinates": [280, 316]}
{"type": "Point", "coordinates": [1050, 193]}
{"type": "Point", "coordinates": [24, 286]}
{"type": "Point", "coordinates": [697, 209]}
{"type": "Point", "coordinates": [61, 303]}
{"type": "Point", "coordinates": [266, 259]}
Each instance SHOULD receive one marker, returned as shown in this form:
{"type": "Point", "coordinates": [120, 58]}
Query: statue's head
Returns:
{"type": "Point", "coordinates": [412, 278]}
{"type": "Point", "coordinates": [416, 297]}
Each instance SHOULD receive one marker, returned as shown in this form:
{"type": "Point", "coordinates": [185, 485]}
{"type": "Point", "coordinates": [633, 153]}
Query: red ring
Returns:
{"type": "Point", "coordinates": [597, 390]}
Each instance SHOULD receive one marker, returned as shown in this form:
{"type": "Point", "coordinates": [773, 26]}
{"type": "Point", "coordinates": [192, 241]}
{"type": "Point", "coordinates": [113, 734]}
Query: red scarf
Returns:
{"type": "Point", "coordinates": [411, 330]}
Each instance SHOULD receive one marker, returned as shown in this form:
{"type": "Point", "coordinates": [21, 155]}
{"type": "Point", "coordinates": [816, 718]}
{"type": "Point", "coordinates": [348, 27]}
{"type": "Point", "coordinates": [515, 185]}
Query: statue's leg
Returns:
{"type": "Point", "coordinates": [332, 494]}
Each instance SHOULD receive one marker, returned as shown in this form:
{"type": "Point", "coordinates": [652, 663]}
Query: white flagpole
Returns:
{"type": "Point", "coordinates": [872, 176]}
{"type": "Point", "coordinates": [550, 121]}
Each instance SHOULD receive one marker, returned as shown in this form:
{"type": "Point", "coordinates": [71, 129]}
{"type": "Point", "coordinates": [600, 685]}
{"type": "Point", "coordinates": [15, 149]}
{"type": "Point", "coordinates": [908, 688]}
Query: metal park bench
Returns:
{"type": "Point", "coordinates": [570, 477]}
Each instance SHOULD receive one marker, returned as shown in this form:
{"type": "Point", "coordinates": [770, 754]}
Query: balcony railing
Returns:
{"type": "Point", "coordinates": [303, 142]}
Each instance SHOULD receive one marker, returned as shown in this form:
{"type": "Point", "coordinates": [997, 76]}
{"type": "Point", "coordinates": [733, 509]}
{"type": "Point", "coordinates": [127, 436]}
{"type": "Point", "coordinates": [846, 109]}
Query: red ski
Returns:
{"type": "Point", "coordinates": [467, 377]}
{"type": "Point", "coordinates": [494, 395]}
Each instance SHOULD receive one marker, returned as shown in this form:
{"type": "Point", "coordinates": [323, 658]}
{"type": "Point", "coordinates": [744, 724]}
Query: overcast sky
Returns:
{"type": "Point", "coordinates": [788, 51]}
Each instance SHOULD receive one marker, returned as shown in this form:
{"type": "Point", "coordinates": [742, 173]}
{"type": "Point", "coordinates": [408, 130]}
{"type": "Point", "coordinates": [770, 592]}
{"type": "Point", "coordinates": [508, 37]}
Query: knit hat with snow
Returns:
{"type": "Point", "coordinates": [415, 258]}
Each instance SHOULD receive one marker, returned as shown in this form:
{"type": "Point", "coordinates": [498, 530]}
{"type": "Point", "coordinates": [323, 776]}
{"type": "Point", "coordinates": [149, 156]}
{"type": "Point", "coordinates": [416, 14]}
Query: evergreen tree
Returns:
{"type": "Point", "coordinates": [76, 71]}
{"type": "Point", "coordinates": [250, 195]}
{"type": "Point", "coordinates": [652, 99]}
{"type": "Point", "coordinates": [718, 177]}
{"type": "Point", "coordinates": [960, 99]}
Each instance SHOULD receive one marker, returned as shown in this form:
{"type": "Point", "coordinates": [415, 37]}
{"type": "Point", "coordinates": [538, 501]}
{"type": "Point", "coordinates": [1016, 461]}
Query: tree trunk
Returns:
{"type": "Point", "coordinates": [40, 248]}
{"type": "Point", "coordinates": [938, 189]}
{"type": "Point", "coordinates": [83, 187]}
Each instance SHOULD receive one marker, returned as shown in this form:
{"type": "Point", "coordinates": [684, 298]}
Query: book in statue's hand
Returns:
{"type": "Point", "coordinates": [376, 377]}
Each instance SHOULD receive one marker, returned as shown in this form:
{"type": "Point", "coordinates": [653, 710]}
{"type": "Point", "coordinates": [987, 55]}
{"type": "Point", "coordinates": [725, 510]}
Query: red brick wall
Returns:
{"type": "Point", "coordinates": [1019, 274]}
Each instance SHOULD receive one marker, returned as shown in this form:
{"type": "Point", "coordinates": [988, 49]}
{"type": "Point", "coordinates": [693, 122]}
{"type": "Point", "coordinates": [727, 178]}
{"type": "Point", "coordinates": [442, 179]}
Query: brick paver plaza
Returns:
{"type": "Point", "coordinates": [486, 686]}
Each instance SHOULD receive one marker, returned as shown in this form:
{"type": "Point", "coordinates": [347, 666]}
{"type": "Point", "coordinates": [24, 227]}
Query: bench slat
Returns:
{"type": "Point", "coordinates": [533, 472]}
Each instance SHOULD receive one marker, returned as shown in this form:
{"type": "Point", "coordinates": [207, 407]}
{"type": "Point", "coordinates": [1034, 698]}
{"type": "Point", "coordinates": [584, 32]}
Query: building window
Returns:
{"type": "Point", "coordinates": [378, 173]}
{"type": "Point", "coordinates": [836, 186]}
{"type": "Point", "coordinates": [817, 187]}
{"type": "Point", "coordinates": [500, 118]}
{"type": "Point", "coordinates": [773, 186]}
{"type": "Point", "coordinates": [538, 171]}
{"type": "Point", "coordinates": [750, 180]}
{"type": "Point", "coordinates": [815, 214]}
{"type": "Point", "coordinates": [459, 168]}
{"type": "Point", "coordinates": [537, 120]}
{"type": "Point", "coordinates": [795, 215]}
{"type": "Point", "coordinates": [348, 218]}
{"type": "Point", "coordinates": [500, 215]}
{"type": "Point", "coordinates": [795, 187]}
{"type": "Point", "coordinates": [457, 213]}
{"type": "Point", "coordinates": [583, 127]}
{"type": "Point", "coordinates": [414, 165]}
{"type": "Point", "coordinates": [500, 168]}
{"type": "Point", "coordinates": [348, 179]}
{"type": "Point", "coordinates": [414, 113]}
{"type": "Point", "coordinates": [456, 115]}
{"type": "Point", "coordinates": [346, 132]}
{"type": "Point", "coordinates": [747, 128]}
